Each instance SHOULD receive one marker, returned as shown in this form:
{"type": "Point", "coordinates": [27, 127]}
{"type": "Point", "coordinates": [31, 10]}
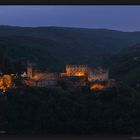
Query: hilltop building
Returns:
{"type": "Point", "coordinates": [39, 79]}
{"type": "Point", "coordinates": [75, 75]}
{"type": "Point", "coordinates": [95, 78]}
{"type": "Point", "coordinates": [79, 75]}
{"type": "Point", "coordinates": [83, 70]}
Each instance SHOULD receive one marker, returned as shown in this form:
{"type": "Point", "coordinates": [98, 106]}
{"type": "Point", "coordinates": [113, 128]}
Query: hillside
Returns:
{"type": "Point", "coordinates": [53, 47]}
{"type": "Point", "coordinates": [45, 111]}
{"type": "Point", "coordinates": [126, 65]}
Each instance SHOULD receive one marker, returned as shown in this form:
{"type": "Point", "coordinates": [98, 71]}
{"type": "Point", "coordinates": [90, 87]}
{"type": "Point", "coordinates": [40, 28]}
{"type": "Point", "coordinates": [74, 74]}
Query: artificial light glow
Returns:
{"type": "Point", "coordinates": [97, 86]}
{"type": "Point", "coordinates": [79, 74]}
{"type": "Point", "coordinates": [5, 82]}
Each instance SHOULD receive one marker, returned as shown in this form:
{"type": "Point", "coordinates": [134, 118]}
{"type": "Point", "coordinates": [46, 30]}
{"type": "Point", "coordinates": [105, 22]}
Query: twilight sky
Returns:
{"type": "Point", "coordinates": [125, 18]}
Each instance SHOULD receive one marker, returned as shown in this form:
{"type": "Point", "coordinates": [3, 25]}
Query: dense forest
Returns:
{"type": "Point", "coordinates": [71, 111]}
{"type": "Point", "coordinates": [53, 47]}
{"type": "Point", "coordinates": [126, 66]}
{"type": "Point", "coordinates": [9, 65]}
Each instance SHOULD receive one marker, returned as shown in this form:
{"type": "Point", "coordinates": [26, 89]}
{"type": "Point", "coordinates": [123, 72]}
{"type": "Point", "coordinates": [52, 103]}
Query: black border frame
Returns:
{"type": "Point", "coordinates": [68, 137]}
{"type": "Point", "coordinates": [69, 2]}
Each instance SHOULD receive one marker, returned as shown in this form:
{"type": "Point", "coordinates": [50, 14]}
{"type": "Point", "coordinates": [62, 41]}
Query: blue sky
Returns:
{"type": "Point", "coordinates": [125, 18]}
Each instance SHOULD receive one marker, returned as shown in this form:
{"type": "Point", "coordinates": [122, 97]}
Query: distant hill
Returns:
{"type": "Point", "coordinates": [53, 47]}
{"type": "Point", "coordinates": [126, 65]}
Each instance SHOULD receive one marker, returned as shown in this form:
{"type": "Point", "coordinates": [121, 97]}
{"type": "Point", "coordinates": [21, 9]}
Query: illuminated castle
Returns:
{"type": "Point", "coordinates": [83, 70]}
{"type": "Point", "coordinates": [97, 79]}
{"type": "Point", "coordinates": [39, 79]}
{"type": "Point", "coordinates": [75, 75]}
{"type": "Point", "coordinates": [76, 70]}
{"type": "Point", "coordinates": [79, 75]}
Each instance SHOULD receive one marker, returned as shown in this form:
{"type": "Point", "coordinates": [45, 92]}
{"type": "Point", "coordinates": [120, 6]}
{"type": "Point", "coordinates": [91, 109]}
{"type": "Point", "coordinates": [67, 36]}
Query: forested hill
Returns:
{"type": "Point", "coordinates": [53, 47]}
{"type": "Point", "coordinates": [126, 65]}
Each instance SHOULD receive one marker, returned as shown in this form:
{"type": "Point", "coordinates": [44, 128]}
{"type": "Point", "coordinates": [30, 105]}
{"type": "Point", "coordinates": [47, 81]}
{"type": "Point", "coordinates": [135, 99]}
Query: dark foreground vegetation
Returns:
{"type": "Point", "coordinates": [42, 111]}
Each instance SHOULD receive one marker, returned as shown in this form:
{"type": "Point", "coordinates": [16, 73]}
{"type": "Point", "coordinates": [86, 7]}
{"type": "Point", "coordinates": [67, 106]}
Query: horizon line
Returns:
{"type": "Point", "coordinates": [75, 27]}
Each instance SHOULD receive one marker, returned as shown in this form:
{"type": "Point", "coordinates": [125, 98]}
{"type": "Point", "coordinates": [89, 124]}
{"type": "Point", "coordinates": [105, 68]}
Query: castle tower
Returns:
{"type": "Point", "coordinates": [30, 70]}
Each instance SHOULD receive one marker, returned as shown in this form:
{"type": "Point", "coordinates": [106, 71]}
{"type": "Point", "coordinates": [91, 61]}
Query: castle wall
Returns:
{"type": "Point", "coordinates": [98, 75]}
{"type": "Point", "coordinates": [43, 79]}
{"type": "Point", "coordinates": [76, 70]}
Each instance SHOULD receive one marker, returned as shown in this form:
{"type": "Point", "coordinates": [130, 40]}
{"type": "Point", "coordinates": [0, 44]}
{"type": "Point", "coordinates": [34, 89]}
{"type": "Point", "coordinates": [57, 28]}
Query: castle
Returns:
{"type": "Point", "coordinates": [83, 70]}
{"type": "Point", "coordinates": [80, 75]}
{"type": "Point", "coordinates": [76, 75]}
